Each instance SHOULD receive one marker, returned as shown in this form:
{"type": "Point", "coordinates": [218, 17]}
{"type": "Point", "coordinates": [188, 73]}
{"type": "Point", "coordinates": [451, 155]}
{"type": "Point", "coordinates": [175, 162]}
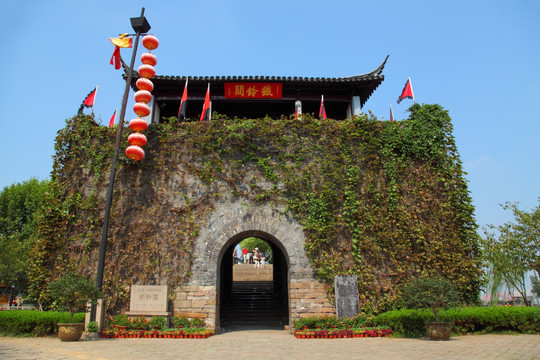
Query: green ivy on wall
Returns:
{"type": "Point", "coordinates": [386, 201]}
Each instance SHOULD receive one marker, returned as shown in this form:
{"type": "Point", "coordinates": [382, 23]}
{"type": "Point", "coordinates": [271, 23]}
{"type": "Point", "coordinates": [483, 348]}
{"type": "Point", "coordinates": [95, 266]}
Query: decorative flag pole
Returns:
{"type": "Point", "coordinates": [140, 25]}
{"type": "Point", "coordinates": [391, 113]}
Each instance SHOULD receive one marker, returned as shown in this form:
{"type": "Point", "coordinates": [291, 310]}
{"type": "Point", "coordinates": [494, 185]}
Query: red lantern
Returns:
{"type": "Point", "coordinates": [143, 96]}
{"type": "Point", "coordinates": [146, 71]}
{"type": "Point", "coordinates": [135, 152]}
{"type": "Point", "coordinates": [148, 58]}
{"type": "Point", "coordinates": [150, 42]}
{"type": "Point", "coordinates": [141, 109]}
{"type": "Point", "coordinates": [137, 139]}
{"type": "Point", "coordinates": [144, 84]}
{"type": "Point", "coordinates": [138, 124]}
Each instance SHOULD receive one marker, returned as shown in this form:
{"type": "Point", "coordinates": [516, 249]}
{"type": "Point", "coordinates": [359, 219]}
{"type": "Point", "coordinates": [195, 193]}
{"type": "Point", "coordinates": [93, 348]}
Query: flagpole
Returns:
{"type": "Point", "coordinates": [140, 25]}
{"type": "Point", "coordinates": [95, 97]}
{"type": "Point", "coordinates": [412, 91]}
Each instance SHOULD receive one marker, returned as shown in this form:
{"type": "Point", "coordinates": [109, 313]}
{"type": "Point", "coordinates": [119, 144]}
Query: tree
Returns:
{"type": "Point", "coordinates": [253, 242]}
{"type": "Point", "coordinates": [535, 285]}
{"type": "Point", "coordinates": [513, 249]}
{"type": "Point", "coordinates": [71, 292]}
{"type": "Point", "coordinates": [19, 204]}
{"type": "Point", "coordinates": [435, 294]}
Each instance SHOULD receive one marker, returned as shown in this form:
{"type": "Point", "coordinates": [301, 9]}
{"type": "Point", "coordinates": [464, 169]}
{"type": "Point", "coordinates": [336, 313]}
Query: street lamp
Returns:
{"type": "Point", "coordinates": [141, 26]}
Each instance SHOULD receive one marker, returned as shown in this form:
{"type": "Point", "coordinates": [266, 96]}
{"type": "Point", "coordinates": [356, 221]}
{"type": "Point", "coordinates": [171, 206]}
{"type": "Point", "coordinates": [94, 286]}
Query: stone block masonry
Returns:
{"type": "Point", "coordinates": [196, 301]}
{"type": "Point", "coordinates": [308, 298]}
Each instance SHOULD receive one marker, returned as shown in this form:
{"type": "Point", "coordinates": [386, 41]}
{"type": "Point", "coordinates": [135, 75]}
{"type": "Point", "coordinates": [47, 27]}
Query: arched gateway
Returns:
{"type": "Point", "coordinates": [231, 222]}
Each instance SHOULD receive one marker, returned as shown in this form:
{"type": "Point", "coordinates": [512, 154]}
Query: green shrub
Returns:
{"type": "Point", "coordinates": [358, 321]}
{"type": "Point", "coordinates": [34, 323]}
{"type": "Point", "coordinates": [139, 323]}
{"type": "Point", "coordinates": [306, 322]}
{"type": "Point", "coordinates": [495, 319]}
{"type": "Point", "coordinates": [332, 322]}
{"type": "Point", "coordinates": [120, 320]}
{"type": "Point", "coordinates": [92, 326]}
{"type": "Point", "coordinates": [158, 322]}
{"type": "Point", "coordinates": [196, 322]}
{"type": "Point", "coordinates": [181, 322]}
{"type": "Point", "coordinates": [411, 323]}
{"type": "Point", "coordinates": [406, 322]}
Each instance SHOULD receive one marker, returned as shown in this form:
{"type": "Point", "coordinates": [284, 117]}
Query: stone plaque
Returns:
{"type": "Point", "coordinates": [148, 298]}
{"type": "Point", "coordinates": [347, 304]}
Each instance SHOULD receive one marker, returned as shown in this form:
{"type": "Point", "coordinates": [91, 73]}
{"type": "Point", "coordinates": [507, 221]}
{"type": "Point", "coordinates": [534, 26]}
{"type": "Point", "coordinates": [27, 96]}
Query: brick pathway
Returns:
{"type": "Point", "coordinates": [273, 344]}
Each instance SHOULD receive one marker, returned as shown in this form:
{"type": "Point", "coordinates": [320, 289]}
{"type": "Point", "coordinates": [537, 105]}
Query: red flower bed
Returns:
{"type": "Point", "coordinates": [340, 334]}
{"type": "Point", "coordinates": [173, 334]}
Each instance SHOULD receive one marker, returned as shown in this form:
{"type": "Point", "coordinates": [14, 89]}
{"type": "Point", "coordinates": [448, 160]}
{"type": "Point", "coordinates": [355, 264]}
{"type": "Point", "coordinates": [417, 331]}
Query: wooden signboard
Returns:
{"type": "Point", "coordinates": [253, 90]}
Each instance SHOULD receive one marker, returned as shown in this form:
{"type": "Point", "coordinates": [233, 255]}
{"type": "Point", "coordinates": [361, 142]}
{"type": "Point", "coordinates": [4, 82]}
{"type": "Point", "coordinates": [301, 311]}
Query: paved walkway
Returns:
{"type": "Point", "coordinates": [273, 344]}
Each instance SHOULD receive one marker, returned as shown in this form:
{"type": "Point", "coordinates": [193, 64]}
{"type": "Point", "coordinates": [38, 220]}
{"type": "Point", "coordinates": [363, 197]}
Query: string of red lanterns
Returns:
{"type": "Point", "coordinates": [142, 97]}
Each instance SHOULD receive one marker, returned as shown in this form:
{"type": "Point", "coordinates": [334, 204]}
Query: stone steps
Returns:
{"type": "Point", "coordinates": [248, 272]}
{"type": "Point", "coordinates": [252, 305]}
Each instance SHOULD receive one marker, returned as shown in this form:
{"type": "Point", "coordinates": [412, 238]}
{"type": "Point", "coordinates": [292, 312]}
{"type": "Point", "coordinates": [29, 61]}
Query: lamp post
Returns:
{"type": "Point", "coordinates": [141, 26]}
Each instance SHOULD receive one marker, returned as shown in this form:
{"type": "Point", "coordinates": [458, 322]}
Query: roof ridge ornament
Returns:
{"type": "Point", "coordinates": [375, 72]}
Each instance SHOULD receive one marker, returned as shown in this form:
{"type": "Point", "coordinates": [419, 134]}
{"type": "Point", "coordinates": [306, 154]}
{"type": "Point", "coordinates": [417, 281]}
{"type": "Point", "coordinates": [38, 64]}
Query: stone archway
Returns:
{"type": "Point", "coordinates": [257, 298]}
{"type": "Point", "coordinates": [229, 222]}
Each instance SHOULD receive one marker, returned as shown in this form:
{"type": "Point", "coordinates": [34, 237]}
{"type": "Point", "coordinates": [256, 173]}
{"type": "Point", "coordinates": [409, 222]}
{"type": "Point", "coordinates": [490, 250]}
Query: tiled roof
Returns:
{"type": "Point", "coordinates": [374, 75]}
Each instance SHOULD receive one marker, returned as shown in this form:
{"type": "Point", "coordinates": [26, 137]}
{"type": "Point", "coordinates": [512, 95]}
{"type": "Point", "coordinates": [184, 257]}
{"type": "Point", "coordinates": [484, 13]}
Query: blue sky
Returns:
{"type": "Point", "coordinates": [478, 59]}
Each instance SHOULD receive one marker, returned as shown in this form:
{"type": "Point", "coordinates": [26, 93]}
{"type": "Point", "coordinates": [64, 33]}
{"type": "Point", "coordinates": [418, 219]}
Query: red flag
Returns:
{"type": "Point", "coordinates": [322, 110]}
{"type": "Point", "coordinates": [407, 92]}
{"type": "Point", "coordinates": [113, 118]}
{"type": "Point", "coordinates": [183, 105]}
{"type": "Point", "coordinates": [115, 58]}
{"type": "Point", "coordinates": [205, 115]}
{"type": "Point", "coordinates": [88, 101]}
{"type": "Point", "coordinates": [391, 113]}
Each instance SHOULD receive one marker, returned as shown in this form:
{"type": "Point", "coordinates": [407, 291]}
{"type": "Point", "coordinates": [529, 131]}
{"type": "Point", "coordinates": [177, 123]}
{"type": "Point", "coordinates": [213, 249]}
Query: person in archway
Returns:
{"type": "Point", "coordinates": [245, 253]}
{"type": "Point", "coordinates": [262, 258]}
{"type": "Point", "coordinates": [256, 258]}
{"type": "Point", "coordinates": [235, 257]}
